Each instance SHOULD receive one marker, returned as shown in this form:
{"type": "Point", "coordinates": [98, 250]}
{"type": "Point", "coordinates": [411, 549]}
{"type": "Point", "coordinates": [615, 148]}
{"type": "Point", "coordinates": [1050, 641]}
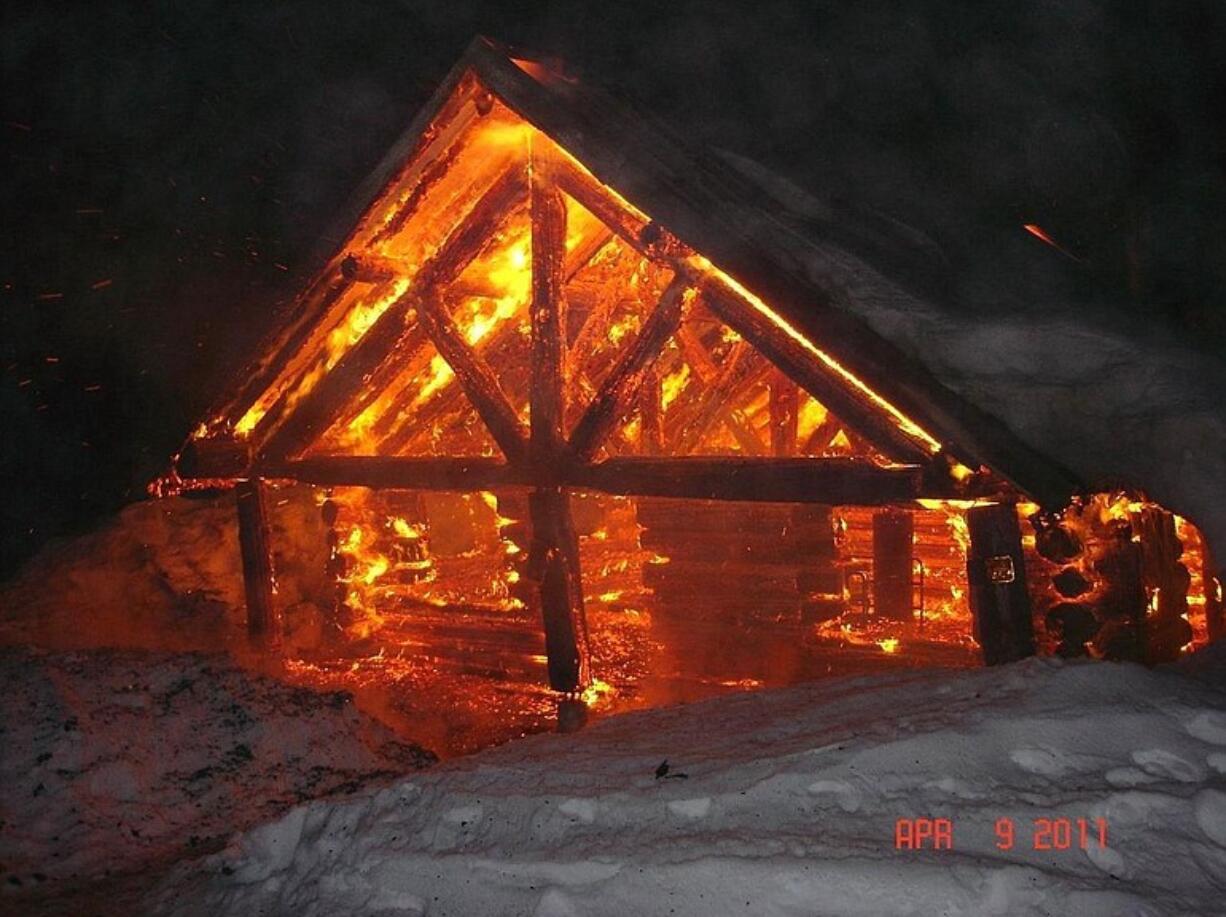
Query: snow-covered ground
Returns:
{"type": "Point", "coordinates": [113, 762]}
{"type": "Point", "coordinates": [790, 806]}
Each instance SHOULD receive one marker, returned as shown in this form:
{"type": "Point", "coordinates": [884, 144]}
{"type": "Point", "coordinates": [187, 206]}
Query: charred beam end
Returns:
{"type": "Point", "coordinates": [213, 457]}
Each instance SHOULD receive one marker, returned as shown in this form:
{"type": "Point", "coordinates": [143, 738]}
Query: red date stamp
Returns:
{"type": "Point", "coordinates": [1039, 834]}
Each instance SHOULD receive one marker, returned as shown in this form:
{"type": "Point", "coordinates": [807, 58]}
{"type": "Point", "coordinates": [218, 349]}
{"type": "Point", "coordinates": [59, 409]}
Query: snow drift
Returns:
{"type": "Point", "coordinates": [789, 806]}
{"type": "Point", "coordinates": [116, 761]}
{"type": "Point", "coordinates": [1121, 402]}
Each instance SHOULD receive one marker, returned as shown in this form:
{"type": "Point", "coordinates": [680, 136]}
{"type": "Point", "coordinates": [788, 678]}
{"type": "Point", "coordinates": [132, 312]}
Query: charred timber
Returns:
{"type": "Point", "coordinates": [627, 375]}
{"type": "Point", "coordinates": [390, 336]}
{"type": "Point", "coordinates": [754, 479]}
{"type": "Point", "coordinates": [548, 313]}
{"type": "Point", "coordinates": [263, 626]}
{"type": "Point", "coordinates": [476, 379]}
{"type": "Point", "coordinates": [860, 413]}
{"type": "Point", "coordinates": [213, 457]}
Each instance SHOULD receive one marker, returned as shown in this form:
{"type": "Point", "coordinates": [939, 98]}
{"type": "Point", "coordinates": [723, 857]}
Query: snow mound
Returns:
{"type": "Point", "coordinates": [790, 805]}
{"type": "Point", "coordinates": [116, 761]}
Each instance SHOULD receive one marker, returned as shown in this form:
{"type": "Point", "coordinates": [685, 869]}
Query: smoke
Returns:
{"type": "Point", "coordinates": [169, 166]}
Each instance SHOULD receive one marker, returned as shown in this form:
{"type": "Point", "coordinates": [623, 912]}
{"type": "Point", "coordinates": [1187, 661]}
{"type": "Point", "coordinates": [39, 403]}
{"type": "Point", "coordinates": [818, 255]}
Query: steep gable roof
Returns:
{"type": "Point", "coordinates": [710, 209]}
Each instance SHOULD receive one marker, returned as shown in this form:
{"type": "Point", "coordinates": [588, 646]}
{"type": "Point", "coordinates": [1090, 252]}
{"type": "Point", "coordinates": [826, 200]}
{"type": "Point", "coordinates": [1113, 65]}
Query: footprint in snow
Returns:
{"type": "Point", "coordinates": [691, 808]}
{"type": "Point", "coordinates": [1208, 726]}
{"type": "Point", "coordinates": [582, 809]}
{"type": "Point", "coordinates": [1129, 776]}
{"type": "Point", "coordinates": [463, 815]}
{"type": "Point", "coordinates": [555, 903]}
{"type": "Point", "coordinates": [1217, 761]}
{"type": "Point", "coordinates": [1162, 763]}
{"type": "Point", "coordinates": [1211, 815]}
{"type": "Point", "coordinates": [1050, 762]}
{"type": "Point", "coordinates": [845, 795]}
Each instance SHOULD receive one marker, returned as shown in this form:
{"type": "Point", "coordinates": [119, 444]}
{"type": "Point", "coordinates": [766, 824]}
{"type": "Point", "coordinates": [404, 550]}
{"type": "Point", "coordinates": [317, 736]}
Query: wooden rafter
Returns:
{"type": "Point", "coordinates": [608, 405]}
{"type": "Point", "coordinates": [390, 336]}
{"type": "Point", "coordinates": [742, 368]}
{"type": "Point", "coordinates": [856, 409]}
{"type": "Point", "coordinates": [708, 373]}
{"type": "Point", "coordinates": [475, 378]}
{"type": "Point", "coordinates": [603, 205]}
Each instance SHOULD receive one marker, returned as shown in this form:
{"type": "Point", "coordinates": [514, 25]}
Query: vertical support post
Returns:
{"type": "Point", "coordinates": [263, 626]}
{"type": "Point", "coordinates": [650, 412]}
{"type": "Point", "coordinates": [553, 562]}
{"type": "Point", "coordinates": [1166, 582]}
{"type": "Point", "coordinates": [892, 547]}
{"type": "Point", "coordinates": [548, 313]}
{"type": "Point", "coordinates": [785, 397]}
{"type": "Point", "coordinates": [996, 574]}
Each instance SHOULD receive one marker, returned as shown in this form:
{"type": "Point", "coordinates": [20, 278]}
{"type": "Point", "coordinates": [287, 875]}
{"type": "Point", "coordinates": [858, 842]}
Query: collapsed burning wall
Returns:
{"type": "Point", "coordinates": [515, 398]}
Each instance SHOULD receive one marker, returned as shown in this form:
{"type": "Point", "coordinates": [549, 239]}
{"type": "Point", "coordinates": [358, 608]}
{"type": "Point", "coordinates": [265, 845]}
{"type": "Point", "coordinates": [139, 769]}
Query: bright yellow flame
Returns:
{"type": "Point", "coordinates": [888, 645]}
{"type": "Point", "coordinates": [904, 423]}
{"type": "Point", "coordinates": [672, 385]}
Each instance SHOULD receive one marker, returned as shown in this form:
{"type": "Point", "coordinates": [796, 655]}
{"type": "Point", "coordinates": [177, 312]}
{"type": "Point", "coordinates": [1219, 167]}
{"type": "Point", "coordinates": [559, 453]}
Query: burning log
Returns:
{"type": "Point", "coordinates": [476, 378]}
{"type": "Point", "coordinates": [828, 387]}
{"type": "Point", "coordinates": [1071, 582]}
{"type": "Point", "coordinates": [387, 340]}
{"type": "Point", "coordinates": [627, 375]}
{"type": "Point", "coordinates": [390, 336]}
{"type": "Point", "coordinates": [548, 314]}
{"type": "Point", "coordinates": [1166, 581]}
{"type": "Point", "coordinates": [1122, 605]}
{"type": "Point", "coordinates": [651, 414]}
{"type": "Point", "coordinates": [706, 370]}
{"type": "Point", "coordinates": [784, 401]}
{"type": "Point", "coordinates": [742, 368]}
{"type": "Point", "coordinates": [554, 566]}
{"type": "Point", "coordinates": [1075, 624]}
{"type": "Point", "coordinates": [263, 624]}
{"type": "Point", "coordinates": [996, 575]}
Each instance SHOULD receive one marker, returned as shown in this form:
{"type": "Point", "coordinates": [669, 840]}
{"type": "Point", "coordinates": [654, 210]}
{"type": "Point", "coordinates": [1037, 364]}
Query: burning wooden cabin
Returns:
{"type": "Point", "coordinates": [564, 376]}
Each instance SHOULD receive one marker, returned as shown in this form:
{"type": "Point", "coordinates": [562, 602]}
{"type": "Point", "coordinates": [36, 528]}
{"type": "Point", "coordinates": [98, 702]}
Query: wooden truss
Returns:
{"type": "Point", "coordinates": [547, 454]}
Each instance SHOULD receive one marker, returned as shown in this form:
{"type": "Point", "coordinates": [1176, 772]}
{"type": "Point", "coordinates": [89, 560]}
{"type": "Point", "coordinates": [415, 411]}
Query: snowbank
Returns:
{"type": "Point", "coordinates": [1120, 401]}
{"type": "Point", "coordinates": [164, 575]}
{"type": "Point", "coordinates": [117, 761]}
{"type": "Point", "coordinates": [789, 807]}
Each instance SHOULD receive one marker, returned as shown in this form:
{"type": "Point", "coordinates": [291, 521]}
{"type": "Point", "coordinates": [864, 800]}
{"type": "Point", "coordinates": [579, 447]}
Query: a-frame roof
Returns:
{"type": "Point", "coordinates": [716, 211]}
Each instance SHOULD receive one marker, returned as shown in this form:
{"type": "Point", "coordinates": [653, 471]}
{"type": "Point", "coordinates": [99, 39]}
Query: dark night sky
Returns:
{"type": "Point", "coordinates": [168, 167]}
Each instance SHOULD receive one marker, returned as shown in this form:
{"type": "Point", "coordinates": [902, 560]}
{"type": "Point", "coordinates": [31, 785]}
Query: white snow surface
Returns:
{"type": "Point", "coordinates": [116, 761]}
{"type": "Point", "coordinates": [1120, 400]}
{"type": "Point", "coordinates": [789, 807]}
